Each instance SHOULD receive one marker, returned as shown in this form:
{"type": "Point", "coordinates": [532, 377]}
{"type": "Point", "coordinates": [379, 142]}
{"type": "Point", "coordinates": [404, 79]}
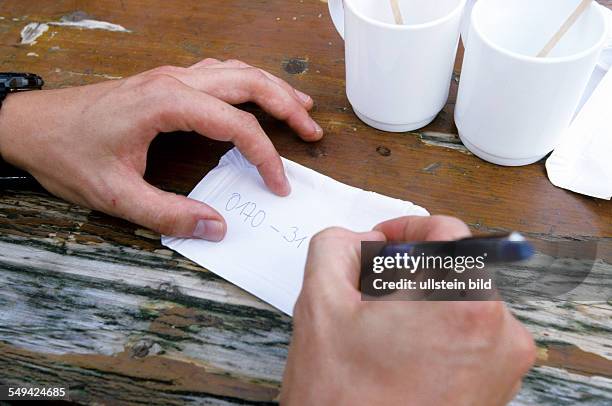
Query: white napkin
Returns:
{"type": "Point", "coordinates": [265, 249]}
{"type": "Point", "coordinates": [582, 162]}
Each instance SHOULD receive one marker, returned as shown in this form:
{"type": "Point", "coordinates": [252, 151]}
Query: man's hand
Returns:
{"type": "Point", "coordinates": [89, 144]}
{"type": "Point", "coordinates": [348, 352]}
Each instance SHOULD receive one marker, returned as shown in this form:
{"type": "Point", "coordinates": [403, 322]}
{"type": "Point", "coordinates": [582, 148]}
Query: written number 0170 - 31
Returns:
{"type": "Point", "coordinates": [256, 218]}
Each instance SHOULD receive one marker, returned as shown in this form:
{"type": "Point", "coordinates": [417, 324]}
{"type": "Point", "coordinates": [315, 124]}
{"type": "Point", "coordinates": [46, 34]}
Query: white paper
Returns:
{"type": "Point", "coordinates": [603, 65]}
{"type": "Point", "coordinates": [582, 162]}
{"type": "Point", "coordinates": [265, 249]}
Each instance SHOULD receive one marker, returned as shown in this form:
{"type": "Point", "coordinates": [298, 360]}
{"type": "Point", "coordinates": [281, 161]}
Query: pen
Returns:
{"type": "Point", "coordinates": [511, 247]}
{"type": "Point", "coordinates": [16, 179]}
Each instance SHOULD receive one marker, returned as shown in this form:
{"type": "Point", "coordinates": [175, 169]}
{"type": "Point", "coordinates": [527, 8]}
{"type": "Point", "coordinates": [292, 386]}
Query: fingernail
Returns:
{"type": "Point", "coordinates": [211, 230]}
{"type": "Point", "coordinates": [317, 128]}
{"type": "Point", "coordinates": [287, 187]}
{"type": "Point", "coordinates": [303, 96]}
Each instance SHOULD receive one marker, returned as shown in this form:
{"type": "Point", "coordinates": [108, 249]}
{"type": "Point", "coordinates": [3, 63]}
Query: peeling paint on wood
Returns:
{"type": "Point", "coordinates": [575, 360]}
{"type": "Point", "coordinates": [32, 31]}
{"type": "Point", "coordinates": [444, 140]}
{"type": "Point", "coordinates": [91, 25]}
{"type": "Point", "coordinates": [432, 168]}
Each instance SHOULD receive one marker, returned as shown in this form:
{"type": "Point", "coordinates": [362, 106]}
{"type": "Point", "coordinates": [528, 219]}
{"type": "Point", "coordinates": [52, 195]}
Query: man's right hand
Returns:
{"type": "Point", "coordinates": [348, 352]}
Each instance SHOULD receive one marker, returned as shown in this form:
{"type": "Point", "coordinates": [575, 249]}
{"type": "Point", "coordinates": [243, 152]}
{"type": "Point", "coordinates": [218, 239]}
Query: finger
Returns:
{"type": "Point", "coordinates": [166, 213]}
{"type": "Point", "coordinates": [239, 85]}
{"type": "Point", "coordinates": [302, 97]}
{"type": "Point", "coordinates": [416, 228]}
{"type": "Point", "coordinates": [334, 258]}
{"type": "Point", "coordinates": [180, 107]}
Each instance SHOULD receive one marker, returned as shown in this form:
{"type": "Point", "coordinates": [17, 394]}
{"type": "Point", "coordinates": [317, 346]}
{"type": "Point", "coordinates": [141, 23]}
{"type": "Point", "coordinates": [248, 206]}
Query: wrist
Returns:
{"type": "Point", "coordinates": [306, 392]}
{"type": "Point", "coordinates": [310, 378]}
{"type": "Point", "coordinates": [3, 131]}
{"type": "Point", "coordinates": [11, 84]}
{"type": "Point", "coordinates": [11, 128]}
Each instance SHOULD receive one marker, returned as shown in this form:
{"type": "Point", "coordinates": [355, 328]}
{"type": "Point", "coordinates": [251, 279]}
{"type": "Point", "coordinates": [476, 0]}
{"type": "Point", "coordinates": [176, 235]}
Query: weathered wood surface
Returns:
{"type": "Point", "coordinates": [97, 303]}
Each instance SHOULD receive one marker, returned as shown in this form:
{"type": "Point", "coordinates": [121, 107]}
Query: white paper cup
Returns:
{"type": "Point", "coordinates": [513, 107]}
{"type": "Point", "coordinates": [398, 76]}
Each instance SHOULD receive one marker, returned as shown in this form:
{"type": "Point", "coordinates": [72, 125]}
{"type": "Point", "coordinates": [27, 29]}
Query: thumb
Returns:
{"type": "Point", "coordinates": [334, 258]}
{"type": "Point", "coordinates": [167, 213]}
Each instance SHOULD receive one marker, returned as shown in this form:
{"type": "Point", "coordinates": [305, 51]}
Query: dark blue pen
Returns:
{"type": "Point", "coordinates": [17, 181]}
{"type": "Point", "coordinates": [511, 247]}
{"type": "Point", "coordinates": [13, 178]}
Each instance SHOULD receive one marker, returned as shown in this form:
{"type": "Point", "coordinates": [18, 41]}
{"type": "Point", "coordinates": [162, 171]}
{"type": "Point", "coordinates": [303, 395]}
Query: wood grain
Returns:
{"type": "Point", "coordinates": [98, 302]}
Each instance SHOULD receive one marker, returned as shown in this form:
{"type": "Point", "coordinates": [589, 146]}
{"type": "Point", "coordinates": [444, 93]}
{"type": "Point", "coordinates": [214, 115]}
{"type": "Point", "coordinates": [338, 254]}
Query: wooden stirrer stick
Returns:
{"type": "Point", "coordinates": [397, 13]}
{"type": "Point", "coordinates": [571, 20]}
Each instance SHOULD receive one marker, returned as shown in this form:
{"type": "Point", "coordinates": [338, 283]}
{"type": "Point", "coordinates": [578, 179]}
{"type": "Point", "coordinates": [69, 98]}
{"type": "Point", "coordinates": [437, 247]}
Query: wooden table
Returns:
{"type": "Point", "coordinates": [96, 303]}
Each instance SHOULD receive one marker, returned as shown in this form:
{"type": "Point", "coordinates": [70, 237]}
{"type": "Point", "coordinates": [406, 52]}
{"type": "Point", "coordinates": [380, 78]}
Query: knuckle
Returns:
{"type": "Point", "coordinates": [525, 350]}
{"type": "Point", "coordinates": [334, 236]}
{"type": "Point", "coordinates": [256, 74]}
{"type": "Point", "coordinates": [444, 227]}
{"type": "Point", "coordinates": [235, 62]}
{"type": "Point", "coordinates": [210, 60]}
{"type": "Point", "coordinates": [249, 121]}
{"type": "Point", "coordinates": [165, 70]}
{"type": "Point", "coordinates": [160, 89]}
{"type": "Point", "coordinates": [160, 82]}
{"type": "Point", "coordinates": [165, 221]}
{"type": "Point", "coordinates": [483, 317]}
{"type": "Point", "coordinates": [441, 220]}
{"type": "Point", "coordinates": [331, 233]}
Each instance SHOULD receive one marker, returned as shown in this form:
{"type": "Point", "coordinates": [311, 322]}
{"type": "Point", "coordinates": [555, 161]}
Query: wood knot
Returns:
{"type": "Point", "coordinates": [295, 66]}
{"type": "Point", "coordinates": [383, 151]}
{"type": "Point", "coordinates": [167, 287]}
{"type": "Point", "coordinates": [144, 347]}
{"type": "Point", "coordinates": [316, 151]}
